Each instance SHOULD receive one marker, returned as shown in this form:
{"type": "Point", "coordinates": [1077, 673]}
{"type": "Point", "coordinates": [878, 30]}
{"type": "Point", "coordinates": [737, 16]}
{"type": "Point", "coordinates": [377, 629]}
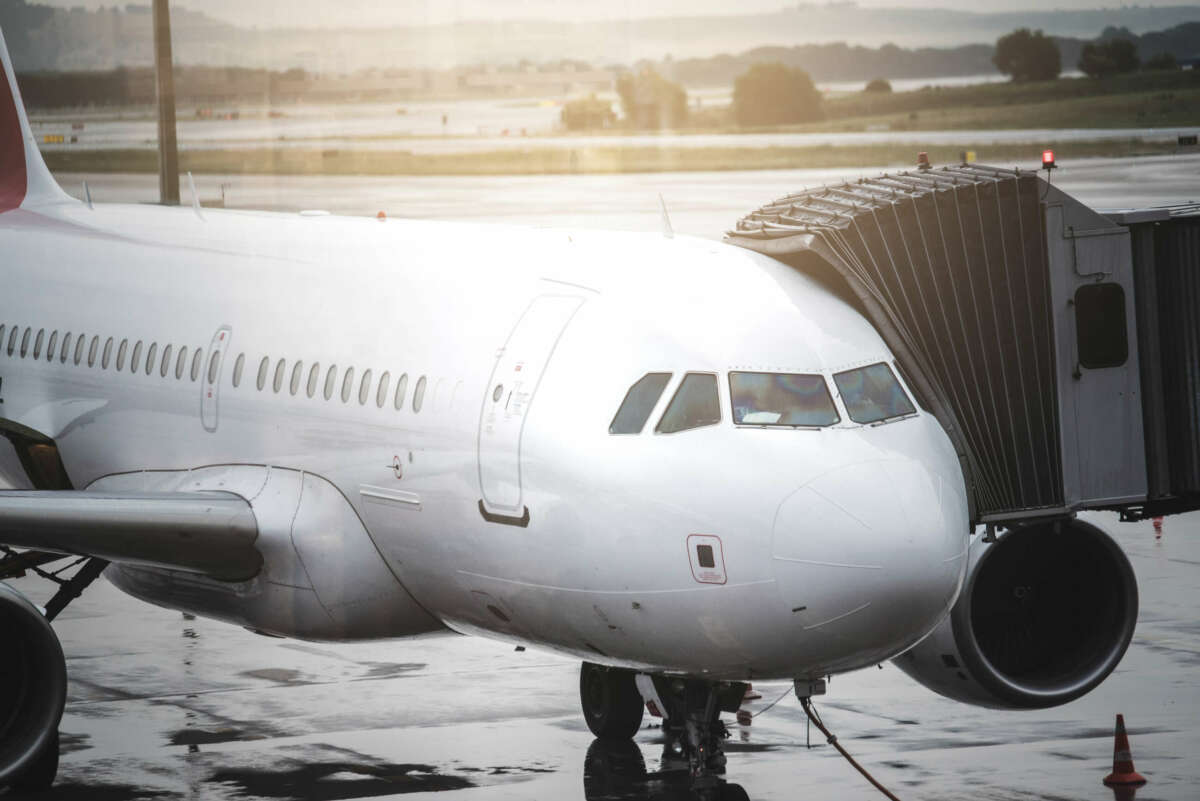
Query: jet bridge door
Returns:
{"type": "Point", "coordinates": [515, 377]}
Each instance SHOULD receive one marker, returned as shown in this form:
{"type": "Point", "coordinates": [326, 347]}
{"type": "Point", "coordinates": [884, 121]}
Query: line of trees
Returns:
{"type": "Point", "coordinates": [1027, 55]}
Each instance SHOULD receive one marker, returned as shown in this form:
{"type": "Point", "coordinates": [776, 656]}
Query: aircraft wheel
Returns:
{"type": "Point", "coordinates": [612, 705]}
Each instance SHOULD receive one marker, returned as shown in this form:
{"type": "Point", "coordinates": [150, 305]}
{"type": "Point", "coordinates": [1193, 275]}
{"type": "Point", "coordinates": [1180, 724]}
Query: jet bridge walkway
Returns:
{"type": "Point", "coordinates": [1059, 347]}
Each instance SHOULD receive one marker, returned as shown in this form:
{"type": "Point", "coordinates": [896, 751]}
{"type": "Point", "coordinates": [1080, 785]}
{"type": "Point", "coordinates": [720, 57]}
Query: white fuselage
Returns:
{"type": "Point", "coordinates": [839, 547]}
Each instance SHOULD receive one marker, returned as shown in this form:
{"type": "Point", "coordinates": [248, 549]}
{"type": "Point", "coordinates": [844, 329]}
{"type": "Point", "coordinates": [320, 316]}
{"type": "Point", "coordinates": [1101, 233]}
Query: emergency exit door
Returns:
{"type": "Point", "coordinates": [515, 377]}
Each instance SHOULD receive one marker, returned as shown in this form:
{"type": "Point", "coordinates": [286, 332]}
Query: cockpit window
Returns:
{"type": "Point", "coordinates": [695, 404]}
{"type": "Point", "coordinates": [639, 403]}
{"type": "Point", "coordinates": [872, 394]}
{"type": "Point", "coordinates": [781, 399]}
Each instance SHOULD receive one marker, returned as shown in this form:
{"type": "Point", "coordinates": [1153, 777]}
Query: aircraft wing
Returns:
{"type": "Point", "coordinates": [211, 533]}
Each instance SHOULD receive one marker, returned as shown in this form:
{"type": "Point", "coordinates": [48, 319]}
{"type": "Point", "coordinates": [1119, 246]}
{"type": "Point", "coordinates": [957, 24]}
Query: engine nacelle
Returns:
{"type": "Point", "coordinates": [33, 685]}
{"type": "Point", "coordinates": [1046, 613]}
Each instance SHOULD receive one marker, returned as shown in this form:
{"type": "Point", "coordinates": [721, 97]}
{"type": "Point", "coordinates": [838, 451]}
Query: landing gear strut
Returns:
{"type": "Point", "coordinates": [695, 734]}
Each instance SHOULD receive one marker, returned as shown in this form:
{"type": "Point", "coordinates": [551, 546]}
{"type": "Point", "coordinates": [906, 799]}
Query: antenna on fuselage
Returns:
{"type": "Point", "coordinates": [195, 196]}
{"type": "Point", "coordinates": [668, 231]}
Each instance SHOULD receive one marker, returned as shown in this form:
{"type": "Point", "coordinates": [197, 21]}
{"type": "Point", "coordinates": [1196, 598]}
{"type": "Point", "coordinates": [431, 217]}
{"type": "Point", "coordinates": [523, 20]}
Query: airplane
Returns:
{"type": "Point", "coordinates": [686, 464]}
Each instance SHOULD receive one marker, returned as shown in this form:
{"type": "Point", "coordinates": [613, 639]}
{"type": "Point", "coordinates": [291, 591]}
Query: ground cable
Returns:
{"type": "Point", "coordinates": [833, 740]}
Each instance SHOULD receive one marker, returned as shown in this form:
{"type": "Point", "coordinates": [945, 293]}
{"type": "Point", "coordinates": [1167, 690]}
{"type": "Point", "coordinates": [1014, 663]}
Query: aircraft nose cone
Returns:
{"type": "Point", "coordinates": [872, 550]}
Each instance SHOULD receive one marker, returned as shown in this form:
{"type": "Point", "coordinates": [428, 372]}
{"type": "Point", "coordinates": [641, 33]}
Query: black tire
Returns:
{"type": "Point", "coordinates": [612, 705]}
{"type": "Point", "coordinates": [734, 792]}
{"type": "Point", "coordinates": [40, 776]}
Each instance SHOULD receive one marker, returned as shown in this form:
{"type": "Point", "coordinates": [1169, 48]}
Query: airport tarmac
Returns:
{"type": "Point", "coordinates": [699, 203]}
{"type": "Point", "coordinates": [161, 706]}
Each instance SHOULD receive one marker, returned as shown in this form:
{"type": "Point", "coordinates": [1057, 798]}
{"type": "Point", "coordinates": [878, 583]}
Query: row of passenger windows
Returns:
{"type": "Point", "coordinates": [184, 362]}
{"type": "Point", "coordinates": [314, 379]}
{"type": "Point", "coordinates": [107, 352]}
{"type": "Point", "coordinates": [784, 400]}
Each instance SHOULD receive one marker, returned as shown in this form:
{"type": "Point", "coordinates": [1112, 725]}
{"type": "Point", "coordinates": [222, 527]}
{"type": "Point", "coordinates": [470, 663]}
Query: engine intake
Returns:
{"type": "Point", "coordinates": [1046, 613]}
{"type": "Point", "coordinates": [33, 686]}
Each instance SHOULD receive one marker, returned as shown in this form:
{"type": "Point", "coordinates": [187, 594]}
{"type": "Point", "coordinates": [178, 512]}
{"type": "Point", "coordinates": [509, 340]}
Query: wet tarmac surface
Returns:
{"type": "Point", "coordinates": [162, 706]}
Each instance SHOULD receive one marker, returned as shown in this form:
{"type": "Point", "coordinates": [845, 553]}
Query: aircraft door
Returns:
{"type": "Point", "coordinates": [212, 377]}
{"type": "Point", "coordinates": [515, 377]}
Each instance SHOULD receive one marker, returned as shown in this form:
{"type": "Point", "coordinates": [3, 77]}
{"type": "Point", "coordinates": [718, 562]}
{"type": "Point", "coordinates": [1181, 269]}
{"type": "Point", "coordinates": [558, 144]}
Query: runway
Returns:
{"type": "Point", "coordinates": [165, 707]}
{"type": "Point", "coordinates": [161, 706]}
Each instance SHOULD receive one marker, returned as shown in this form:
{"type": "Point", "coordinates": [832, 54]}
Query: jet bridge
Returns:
{"type": "Point", "coordinates": [1058, 346]}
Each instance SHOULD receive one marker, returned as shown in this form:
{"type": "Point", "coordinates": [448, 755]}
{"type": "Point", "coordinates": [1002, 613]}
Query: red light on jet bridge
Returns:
{"type": "Point", "coordinates": [1048, 160]}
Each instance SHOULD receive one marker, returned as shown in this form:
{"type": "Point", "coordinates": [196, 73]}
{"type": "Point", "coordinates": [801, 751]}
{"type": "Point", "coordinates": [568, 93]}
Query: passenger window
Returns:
{"type": "Point", "coordinates": [197, 358]}
{"type": "Point", "coordinates": [330, 381]}
{"type": "Point", "coordinates": [872, 394]}
{"type": "Point", "coordinates": [50, 347]}
{"type": "Point", "coordinates": [238, 366]}
{"type": "Point", "coordinates": [263, 366]}
{"type": "Point", "coordinates": [12, 341]}
{"type": "Point", "coordinates": [364, 390]}
{"type": "Point", "coordinates": [107, 355]}
{"type": "Point", "coordinates": [151, 357]}
{"type": "Point", "coordinates": [385, 383]}
{"type": "Point", "coordinates": [122, 349]}
{"type": "Point", "coordinates": [92, 350]}
{"type": "Point", "coordinates": [37, 343]}
{"type": "Point", "coordinates": [79, 344]}
{"type": "Point", "coordinates": [277, 383]}
{"type": "Point", "coordinates": [297, 375]}
{"type": "Point", "coordinates": [401, 390]}
{"type": "Point", "coordinates": [781, 399]}
{"type": "Point", "coordinates": [1099, 326]}
{"type": "Point", "coordinates": [136, 360]}
{"type": "Point", "coordinates": [25, 342]}
{"type": "Point", "coordinates": [694, 405]}
{"type": "Point", "coordinates": [214, 367]}
{"type": "Point", "coordinates": [66, 347]}
{"type": "Point", "coordinates": [639, 403]}
{"type": "Point", "coordinates": [314, 375]}
{"type": "Point", "coordinates": [165, 367]}
{"type": "Point", "coordinates": [347, 385]}
{"type": "Point", "coordinates": [181, 362]}
{"type": "Point", "coordinates": [419, 394]}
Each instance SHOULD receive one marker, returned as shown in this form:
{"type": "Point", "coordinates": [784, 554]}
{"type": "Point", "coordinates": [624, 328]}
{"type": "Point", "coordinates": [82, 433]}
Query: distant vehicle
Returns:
{"type": "Point", "coordinates": [684, 463]}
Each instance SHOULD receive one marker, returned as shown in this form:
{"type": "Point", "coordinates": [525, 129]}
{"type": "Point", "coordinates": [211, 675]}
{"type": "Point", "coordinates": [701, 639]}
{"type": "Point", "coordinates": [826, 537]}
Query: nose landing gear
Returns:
{"type": "Point", "coordinates": [613, 700]}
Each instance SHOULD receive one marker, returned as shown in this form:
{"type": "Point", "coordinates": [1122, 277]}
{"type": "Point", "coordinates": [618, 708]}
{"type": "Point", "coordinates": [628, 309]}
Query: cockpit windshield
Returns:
{"type": "Point", "coordinates": [781, 399]}
{"type": "Point", "coordinates": [873, 394]}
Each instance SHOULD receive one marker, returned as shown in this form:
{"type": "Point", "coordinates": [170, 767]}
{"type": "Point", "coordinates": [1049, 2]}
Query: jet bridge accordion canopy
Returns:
{"type": "Point", "coordinates": [1022, 321]}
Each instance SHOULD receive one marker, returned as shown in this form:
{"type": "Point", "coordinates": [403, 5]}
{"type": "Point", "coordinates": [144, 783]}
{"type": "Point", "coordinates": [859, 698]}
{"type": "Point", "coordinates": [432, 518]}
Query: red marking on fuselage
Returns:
{"type": "Point", "coordinates": [13, 179]}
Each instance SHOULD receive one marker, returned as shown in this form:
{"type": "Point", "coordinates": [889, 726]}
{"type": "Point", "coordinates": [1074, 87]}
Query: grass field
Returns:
{"type": "Point", "coordinates": [543, 161]}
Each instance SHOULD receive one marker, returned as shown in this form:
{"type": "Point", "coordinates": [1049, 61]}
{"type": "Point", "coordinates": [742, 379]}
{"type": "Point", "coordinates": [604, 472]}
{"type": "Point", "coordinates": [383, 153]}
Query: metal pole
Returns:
{"type": "Point", "coordinates": [168, 152]}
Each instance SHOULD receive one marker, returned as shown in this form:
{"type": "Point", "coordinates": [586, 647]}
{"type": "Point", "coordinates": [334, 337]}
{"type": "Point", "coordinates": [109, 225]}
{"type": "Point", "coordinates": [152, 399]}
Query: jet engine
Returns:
{"type": "Point", "coordinates": [33, 690]}
{"type": "Point", "coordinates": [1045, 614]}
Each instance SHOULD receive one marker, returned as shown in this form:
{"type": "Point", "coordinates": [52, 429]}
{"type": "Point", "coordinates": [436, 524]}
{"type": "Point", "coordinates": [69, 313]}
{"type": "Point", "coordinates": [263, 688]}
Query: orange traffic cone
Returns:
{"type": "Point", "coordinates": [1122, 772]}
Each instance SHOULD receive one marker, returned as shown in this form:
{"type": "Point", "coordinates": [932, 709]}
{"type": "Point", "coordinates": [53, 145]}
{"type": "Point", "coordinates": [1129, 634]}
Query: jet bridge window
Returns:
{"type": "Point", "coordinates": [639, 402]}
{"type": "Point", "coordinates": [1100, 326]}
{"type": "Point", "coordinates": [781, 399]}
{"type": "Point", "coordinates": [694, 405]}
{"type": "Point", "coordinates": [872, 394]}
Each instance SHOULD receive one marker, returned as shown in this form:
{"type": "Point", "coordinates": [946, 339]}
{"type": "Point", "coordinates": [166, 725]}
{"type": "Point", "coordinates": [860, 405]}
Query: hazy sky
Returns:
{"type": "Point", "coordinates": [371, 13]}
